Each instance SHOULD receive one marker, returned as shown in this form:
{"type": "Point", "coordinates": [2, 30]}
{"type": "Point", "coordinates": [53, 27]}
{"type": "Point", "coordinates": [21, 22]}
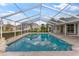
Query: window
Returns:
{"type": "Point", "coordinates": [70, 28]}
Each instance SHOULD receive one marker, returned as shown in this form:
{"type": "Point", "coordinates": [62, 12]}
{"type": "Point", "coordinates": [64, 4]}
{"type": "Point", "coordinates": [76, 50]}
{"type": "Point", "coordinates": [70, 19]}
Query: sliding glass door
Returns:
{"type": "Point", "coordinates": [71, 28]}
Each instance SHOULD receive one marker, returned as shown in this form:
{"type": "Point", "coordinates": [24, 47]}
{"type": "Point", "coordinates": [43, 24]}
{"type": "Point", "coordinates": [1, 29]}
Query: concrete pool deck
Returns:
{"type": "Point", "coordinates": [72, 40]}
{"type": "Point", "coordinates": [41, 53]}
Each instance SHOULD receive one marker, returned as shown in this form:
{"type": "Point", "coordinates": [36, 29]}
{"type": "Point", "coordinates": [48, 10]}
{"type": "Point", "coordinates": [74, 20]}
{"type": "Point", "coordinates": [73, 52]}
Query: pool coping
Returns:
{"type": "Point", "coordinates": [41, 53]}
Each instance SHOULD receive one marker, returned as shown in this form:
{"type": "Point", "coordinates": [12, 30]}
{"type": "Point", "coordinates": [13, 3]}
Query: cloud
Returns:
{"type": "Point", "coordinates": [72, 8]}
{"type": "Point", "coordinates": [11, 11]}
{"type": "Point", "coordinates": [14, 17]}
{"type": "Point", "coordinates": [6, 13]}
{"type": "Point", "coordinates": [17, 17]}
{"type": "Point", "coordinates": [3, 4]}
{"type": "Point", "coordinates": [60, 6]}
{"type": "Point", "coordinates": [40, 22]}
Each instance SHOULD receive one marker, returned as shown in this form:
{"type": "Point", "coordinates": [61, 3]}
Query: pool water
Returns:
{"type": "Point", "coordinates": [39, 42]}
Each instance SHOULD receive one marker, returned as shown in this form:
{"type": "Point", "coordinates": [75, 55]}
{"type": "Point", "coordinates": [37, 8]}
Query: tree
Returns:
{"type": "Point", "coordinates": [47, 27]}
{"type": "Point", "coordinates": [42, 28]}
{"type": "Point", "coordinates": [62, 18]}
{"type": "Point", "coordinates": [52, 19]}
{"type": "Point", "coordinates": [35, 29]}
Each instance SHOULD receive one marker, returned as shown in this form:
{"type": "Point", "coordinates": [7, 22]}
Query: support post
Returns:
{"type": "Point", "coordinates": [74, 28]}
{"type": "Point", "coordinates": [65, 29]}
{"type": "Point", "coordinates": [55, 30]}
{"type": "Point", "coordinates": [48, 28]}
{"type": "Point", "coordinates": [21, 29]}
{"type": "Point", "coordinates": [2, 40]}
{"type": "Point", "coordinates": [1, 28]}
{"type": "Point", "coordinates": [78, 29]}
{"type": "Point", "coordinates": [15, 30]}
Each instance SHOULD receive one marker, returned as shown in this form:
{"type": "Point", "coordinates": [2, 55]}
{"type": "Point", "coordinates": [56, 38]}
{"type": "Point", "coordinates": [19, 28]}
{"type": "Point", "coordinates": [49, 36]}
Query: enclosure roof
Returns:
{"type": "Point", "coordinates": [31, 12]}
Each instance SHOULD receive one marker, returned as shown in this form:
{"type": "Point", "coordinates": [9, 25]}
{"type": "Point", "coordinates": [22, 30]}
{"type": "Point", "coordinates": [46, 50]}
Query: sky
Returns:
{"type": "Point", "coordinates": [9, 8]}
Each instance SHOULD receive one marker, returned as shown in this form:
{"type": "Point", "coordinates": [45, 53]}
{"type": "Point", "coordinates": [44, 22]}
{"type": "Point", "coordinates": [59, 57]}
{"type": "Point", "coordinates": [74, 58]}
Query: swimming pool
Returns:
{"type": "Point", "coordinates": [39, 42]}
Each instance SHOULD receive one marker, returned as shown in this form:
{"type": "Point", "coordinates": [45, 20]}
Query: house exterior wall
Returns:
{"type": "Point", "coordinates": [55, 29]}
{"type": "Point", "coordinates": [59, 29]}
{"type": "Point", "coordinates": [78, 29]}
{"type": "Point", "coordinates": [63, 29]}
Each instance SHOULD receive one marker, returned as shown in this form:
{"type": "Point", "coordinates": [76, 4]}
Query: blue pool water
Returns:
{"type": "Point", "coordinates": [39, 42]}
